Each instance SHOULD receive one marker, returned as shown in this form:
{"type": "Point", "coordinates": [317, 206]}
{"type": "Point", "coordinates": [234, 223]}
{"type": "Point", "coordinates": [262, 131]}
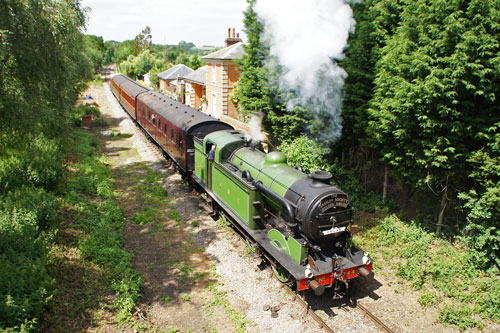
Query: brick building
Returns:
{"type": "Point", "coordinates": [195, 89]}
{"type": "Point", "coordinates": [171, 74]}
{"type": "Point", "coordinates": [222, 76]}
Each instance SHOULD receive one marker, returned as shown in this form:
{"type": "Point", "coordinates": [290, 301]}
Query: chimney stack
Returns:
{"type": "Point", "coordinates": [235, 38]}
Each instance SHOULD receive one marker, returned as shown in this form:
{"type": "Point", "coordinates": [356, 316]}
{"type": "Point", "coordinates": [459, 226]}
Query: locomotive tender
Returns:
{"type": "Point", "coordinates": [298, 222]}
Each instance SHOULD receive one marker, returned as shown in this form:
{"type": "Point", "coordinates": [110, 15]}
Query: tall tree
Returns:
{"type": "Point", "coordinates": [359, 63]}
{"type": "Point", "coordinates": [143, 41]}
{"type": "Point", "coordinates": [436, 91]}
{"type": "Point", "coordinates": [41, 63]}
{"type": "Point", "coordinates": [95, 50]}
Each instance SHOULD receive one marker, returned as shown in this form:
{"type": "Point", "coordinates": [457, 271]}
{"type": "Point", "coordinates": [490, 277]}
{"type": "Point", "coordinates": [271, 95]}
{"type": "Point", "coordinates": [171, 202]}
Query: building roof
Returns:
{"type": "Point", "coordinates": [198, 76]}
{"type": "Point", "coordinates": [234, 51]}
{"type": "Point", "coordinates": [171, 74]}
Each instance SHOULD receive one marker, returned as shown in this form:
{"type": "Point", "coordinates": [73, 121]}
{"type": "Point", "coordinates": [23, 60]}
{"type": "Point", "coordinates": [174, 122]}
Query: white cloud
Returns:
{"type": "Point", "coordinates": [203, 22]}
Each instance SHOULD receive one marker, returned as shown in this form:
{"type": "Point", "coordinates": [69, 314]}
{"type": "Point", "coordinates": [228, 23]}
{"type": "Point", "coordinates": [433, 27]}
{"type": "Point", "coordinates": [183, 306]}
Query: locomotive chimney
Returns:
{"type": "Point", "coordinates": [233, 32]}
{"type": "Point", "coordinates": [228, 32]}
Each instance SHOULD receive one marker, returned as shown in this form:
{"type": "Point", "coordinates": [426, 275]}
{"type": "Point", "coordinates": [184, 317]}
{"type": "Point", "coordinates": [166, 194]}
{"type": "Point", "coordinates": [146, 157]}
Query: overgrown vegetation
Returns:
{"type": "Point", "coordinates": [101, 222]}
{"type": "Point", "coordinates": [42, 71]}
{"type": "Point", "coordinates": [450, 275]}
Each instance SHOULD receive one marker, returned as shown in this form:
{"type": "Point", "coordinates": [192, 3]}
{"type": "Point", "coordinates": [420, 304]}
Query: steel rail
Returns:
{"type": "Point", "coordinates": [373, 317]}
{"type": "Point", "coordinates": [313, 314]}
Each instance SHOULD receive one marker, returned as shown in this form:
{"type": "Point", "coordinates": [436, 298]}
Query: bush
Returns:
{"type": "Point", "coordinates": [80, 111]}
{"type": "Point", "coordinates": [35, 160]}
{"type": "Point", "coordinates": [306, 153]}
{"type": "Point", "coordinates": [38, 202]}
{"type": "Point", "coordinates": [311, 156]}
{"type": "Point", "coordinates": [451, 272]}
{"type": "Point", "coordinates": [24, 281]}
{"type": "Point", "coordinates": [482, 230]}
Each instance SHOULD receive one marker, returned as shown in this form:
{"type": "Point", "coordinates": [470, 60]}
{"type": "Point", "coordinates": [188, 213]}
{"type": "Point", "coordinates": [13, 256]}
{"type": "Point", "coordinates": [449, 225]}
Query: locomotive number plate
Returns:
{"type": "Point", "coordinates": [333, 230]}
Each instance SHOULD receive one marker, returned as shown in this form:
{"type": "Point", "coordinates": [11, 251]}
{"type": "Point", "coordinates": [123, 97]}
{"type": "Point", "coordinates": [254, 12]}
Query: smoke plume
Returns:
{"type": "Point", "coordinates": [254, 124]}
{"type": "Point", "coordinates": [306, 37]}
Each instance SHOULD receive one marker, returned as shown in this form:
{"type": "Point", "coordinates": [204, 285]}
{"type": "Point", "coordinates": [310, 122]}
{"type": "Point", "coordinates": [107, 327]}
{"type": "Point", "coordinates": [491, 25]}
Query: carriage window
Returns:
{"type": "Point", "coordinates": [165, 128]}
{"type": "Point", "coordinates": [172, 134]}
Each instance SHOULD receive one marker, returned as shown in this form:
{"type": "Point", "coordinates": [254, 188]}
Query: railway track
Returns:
{"type": "Point", "coordinates": [322, 324]}
{"type": "Point", "coordinates": [373, 317]}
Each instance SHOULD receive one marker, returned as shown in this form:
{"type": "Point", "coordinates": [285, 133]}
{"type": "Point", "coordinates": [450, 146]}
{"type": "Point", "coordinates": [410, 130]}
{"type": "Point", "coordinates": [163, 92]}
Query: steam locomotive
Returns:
{"type": "Point", "coordinates": [298, 222]}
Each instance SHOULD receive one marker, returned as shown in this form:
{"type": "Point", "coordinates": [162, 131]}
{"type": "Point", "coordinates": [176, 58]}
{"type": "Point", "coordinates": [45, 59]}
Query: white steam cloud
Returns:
{"type": "Point", "coordinates": [305, 39]}
{"type": "Point", "coordinates": [254, 124]}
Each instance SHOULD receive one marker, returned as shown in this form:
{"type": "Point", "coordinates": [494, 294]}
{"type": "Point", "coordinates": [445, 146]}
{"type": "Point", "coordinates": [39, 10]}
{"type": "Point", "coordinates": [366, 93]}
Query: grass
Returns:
{"type": "Point", "coordinates": [118, 135]}
{"type": "Point", "coordinates": [223, 223]}
{"type": "Point", "coordinates": [174, 215]}
{"type": "Point", "coordinates": [447, 273]}
{"type": "Point", "coordinates": [97, 81]}
{"type": "Point", "coordinates": [146, 215]}
{"type": "Point", "coordinates": [92, 232]}
{"type": "Point", "coordinates": [220, 300]}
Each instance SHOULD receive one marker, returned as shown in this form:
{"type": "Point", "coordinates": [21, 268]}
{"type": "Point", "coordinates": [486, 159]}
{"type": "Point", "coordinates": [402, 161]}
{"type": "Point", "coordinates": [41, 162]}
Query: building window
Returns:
{"type": "Point", "coordinates": [214, 104]}
{"type": "Point", "coordinates": [214, 73]}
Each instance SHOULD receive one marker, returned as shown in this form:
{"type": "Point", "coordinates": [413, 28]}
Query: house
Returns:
{"type": "Point", "coordinates": [166, 77]}
{"type": "Point", "coordinates": [222, 76]}
{"type": "Point", "coordinates": [195, 89]}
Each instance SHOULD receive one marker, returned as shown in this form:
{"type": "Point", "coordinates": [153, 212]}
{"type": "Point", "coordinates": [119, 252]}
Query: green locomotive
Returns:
{"type": "Point", "coordinates": [299, 222]}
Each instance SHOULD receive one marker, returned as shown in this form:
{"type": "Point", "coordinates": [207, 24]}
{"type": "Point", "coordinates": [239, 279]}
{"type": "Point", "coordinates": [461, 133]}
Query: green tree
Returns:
{"type": "Point", "coordinates": [436, 91]}
{"type": "Point", "coordinates": [359, 63]}
{"type": "Point", "coordinates": [182, 58]}
{"type": "Point", "coordinates": [123, 50]}
{"type": "Point", "coordinates": [42, 67]}
{"type": "Point", "coordinates": [195, 61]}
{"type": "Point", "coordinates": [136, 67]}
{"type": "Point", "coordinates": [143, 41]}
{"type": "Point", "coordinates": [95, 51]}
{"type": "Point", "coordinates": [183, 45]}
{"type": "Point", "coordinates": [482, 201]}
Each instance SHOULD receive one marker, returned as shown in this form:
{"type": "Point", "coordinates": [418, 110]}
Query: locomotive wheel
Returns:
{"type": "Point", "coordinates": [281, 273]}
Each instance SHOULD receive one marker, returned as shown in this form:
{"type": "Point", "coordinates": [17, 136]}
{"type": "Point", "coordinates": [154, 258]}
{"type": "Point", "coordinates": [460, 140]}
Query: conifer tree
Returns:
{"type": "Point", "coordinates": [436, 91]}
{"type": "Point", "coordinates": [359, 63]}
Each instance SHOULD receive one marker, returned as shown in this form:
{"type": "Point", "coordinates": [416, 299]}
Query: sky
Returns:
{"type": "Point", "coordinates": [202, 22]}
